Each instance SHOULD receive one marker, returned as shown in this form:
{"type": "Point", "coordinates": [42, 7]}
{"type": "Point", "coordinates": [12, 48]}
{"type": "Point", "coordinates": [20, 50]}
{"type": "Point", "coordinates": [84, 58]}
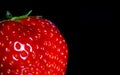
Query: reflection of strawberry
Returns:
{"type": "Point", "coordinates": [31, 46]}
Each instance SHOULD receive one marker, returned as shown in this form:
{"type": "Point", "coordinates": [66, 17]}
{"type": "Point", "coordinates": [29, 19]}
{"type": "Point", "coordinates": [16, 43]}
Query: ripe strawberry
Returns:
{"type": "Point", "coordinates": [31, 46]}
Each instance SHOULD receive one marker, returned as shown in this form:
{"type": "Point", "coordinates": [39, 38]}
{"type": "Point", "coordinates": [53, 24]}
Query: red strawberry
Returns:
{"type": "Point", "coordinates": [31, 46]}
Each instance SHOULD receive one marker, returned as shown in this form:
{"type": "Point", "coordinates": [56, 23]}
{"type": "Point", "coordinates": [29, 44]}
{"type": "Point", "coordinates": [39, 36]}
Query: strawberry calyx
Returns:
{"type": "Point", "coordinates": [13, 18]}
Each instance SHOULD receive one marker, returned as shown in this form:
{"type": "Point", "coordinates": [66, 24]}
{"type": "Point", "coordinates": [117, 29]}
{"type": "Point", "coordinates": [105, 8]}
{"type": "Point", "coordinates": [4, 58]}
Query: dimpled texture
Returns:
{"type": "Point", "coordinates": [32, 46]}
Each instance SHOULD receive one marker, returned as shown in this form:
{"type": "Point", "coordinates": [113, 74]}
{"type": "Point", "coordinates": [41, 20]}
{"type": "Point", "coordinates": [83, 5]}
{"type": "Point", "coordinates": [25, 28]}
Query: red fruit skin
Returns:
{"type": "Point", "coordinates": [32, 46]}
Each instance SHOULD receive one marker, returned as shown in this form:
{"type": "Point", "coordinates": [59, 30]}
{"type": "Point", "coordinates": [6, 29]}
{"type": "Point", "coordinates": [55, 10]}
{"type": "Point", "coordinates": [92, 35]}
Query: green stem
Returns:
{"type": "Point", "coordinates": [9, 16]}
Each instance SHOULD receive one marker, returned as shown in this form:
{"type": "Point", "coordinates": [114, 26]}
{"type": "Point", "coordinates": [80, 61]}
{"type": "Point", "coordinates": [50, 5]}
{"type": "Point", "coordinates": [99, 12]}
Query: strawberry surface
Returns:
{"type": "Point", "coordinates": [32, 46]}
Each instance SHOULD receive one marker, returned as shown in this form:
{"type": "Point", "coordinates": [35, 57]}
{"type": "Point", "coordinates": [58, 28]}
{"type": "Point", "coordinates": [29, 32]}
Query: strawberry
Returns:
{"type": "Point", "coordinates": [31, 45]}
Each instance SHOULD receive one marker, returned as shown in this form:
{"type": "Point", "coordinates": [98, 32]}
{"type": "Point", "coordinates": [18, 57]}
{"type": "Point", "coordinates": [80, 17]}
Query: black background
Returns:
{"type": "Point", "coordinates": [87, 28]}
